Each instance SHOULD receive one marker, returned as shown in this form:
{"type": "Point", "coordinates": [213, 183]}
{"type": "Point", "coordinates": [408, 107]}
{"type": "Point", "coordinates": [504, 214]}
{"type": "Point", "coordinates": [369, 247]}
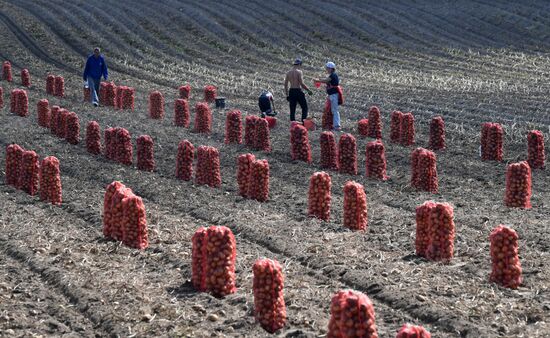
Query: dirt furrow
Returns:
{"type": "Point", "coordinates": [193, 208]}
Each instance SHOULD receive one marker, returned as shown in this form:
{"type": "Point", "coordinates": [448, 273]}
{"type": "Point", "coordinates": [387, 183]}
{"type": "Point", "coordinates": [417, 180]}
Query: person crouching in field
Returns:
{"type": "Point", "coordinates": [266, 104]}
{"type": "Point", "coordinates": [295, 95]}
{"type": "Point", "coordinates": [95, 68]}
{"type": "Point", "coordinates": [332, 83]}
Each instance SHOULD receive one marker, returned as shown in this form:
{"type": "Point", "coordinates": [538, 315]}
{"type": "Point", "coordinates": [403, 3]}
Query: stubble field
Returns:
{"type": "Point", "coordinates": [470, 62]}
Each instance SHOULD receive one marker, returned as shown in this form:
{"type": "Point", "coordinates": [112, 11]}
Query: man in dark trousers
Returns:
{"type": "Point", "coordinates": [295, 95]}
{"type": "Point", "coordinates": [95, 68]}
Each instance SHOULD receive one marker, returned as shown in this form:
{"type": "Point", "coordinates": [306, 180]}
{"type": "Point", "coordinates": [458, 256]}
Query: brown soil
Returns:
{"type": "Point", "coordinates": [469, 62]}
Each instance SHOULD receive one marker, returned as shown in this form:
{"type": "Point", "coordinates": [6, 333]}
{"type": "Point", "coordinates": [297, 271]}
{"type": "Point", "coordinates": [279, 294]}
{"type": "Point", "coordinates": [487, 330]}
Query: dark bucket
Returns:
{"type": "Point", "coordinates": [220, 102]}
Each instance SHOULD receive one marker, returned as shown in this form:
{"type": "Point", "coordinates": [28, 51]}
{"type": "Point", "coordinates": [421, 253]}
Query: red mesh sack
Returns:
{"type": "Point", "coordinates": [86, 94]}
{"type": "Point", "coordinates": [61, 128]}
{"type": "Point", "coordinates": [58, 120]}
{"type": "Point", "coordinates": [491, 141]}
{"type": "Point", "coordinates": [103, 92]}
{"type": "Point", "coordinates": [54, 119]}
{"type": "Point", "coordinates": [407, 130]}
{"type": "Point", "coordinates": [412, 331]}
{"type": "Point", "coordinates": [518, 185]}
{"type": "Point", "coordinates": [424, 171]}
{"type": "Point", "coordinates": [14, 158]}
{"type": "Point", "coordinates": [233, 127]}
{"type": "Point", "coordinates": [244, 167]}
{"type": "Point", "coordinates": [310, 124]}
{"type": "Point", "coordinates": [535, 149]}
{"type": "Point", "coordinates": [208, 167]}
{"type": "Point", "coordinates": [156, 105]}
{"type": "Point", "coordinates": [72, 134]}
{"type": "Point", "coordinates": [327, 118]}
{"type": "Point", "coordinates": [437, 133]}
{"type": "Point", "coordinates": [271, 121]}
{"type": "Point", "coordinates": [93, 138]}
{"type": "Point", "coordinates": [30, 172]}
{"type": "Point", "coordinates": [108, 218]}
{"type": "Point", "coordinates": [1, 97]}
{"type": "Point", "coordinates": [181, 113]}
{"type": "Point", "coordinates": [423, 214]}
{"type": "Point", "coordinates": [108, 96]}
{"type": "Point", "coordinates": [199, 260]}
{"type": "Point", "coordinates": [319, 196]}
{"type": "Point", "coordinates": [145, 153]}
{"type": "Point", "coordinates": [221, 251]}
{"type": "Point", "coordinates": [50, 181]}
{"type": "Point", "coordinates": [506, 267]}
{"type": "Point", "coordinates": [50, 85]}
{"type": "Point", "coordinates": [250, 130]}
{"type": "Point", "coordinates": [300, 150]}
{"type": "Point", "coordinates": [123, 146]}
{"type": "Point", "coordinates": [340, 95]}
{"type": "Point", "coordinates": [258, 181]}
{"type": "Point", "coordinates": [442, 233]}
{"type": "Point", "coordinates": [269, 302]}
{"type": "Point", "coordinates": [363, 127]}
{"type": "Point", "coordinates": [435, 231]}
{"type": "Point", "coordinates": [351, 316]}
{"type": "Point", "coordinates": [375, 123]}
{"type": "Point", "coordinates": [117, 212]}
{"type": "Point", "coordinates": [263, 141]}
{"type": "Point", "coordinates": [59, 84]}
{"type": "Point", "coordinates": [6, 71]}
{"type": "Point", "coordinates": [118, 96]}
{"type": "Point", "coordinates": [376, 160]}
{"type": "Point", "coordinates": [128, 98]}
{"type": "Point", "coordinates": [25, 78]}
{"type": "Point", "coordinates": [13, 100]}
{"type": "Point", "coordinates": [210, 93]}
{"type": "Point", "coordinates": [184, 160]}
{"type": "Point", "coordinates": [110, 142]}
{"type": "Point", "coordinates": [347, 154]}
{"type": "Point", "coordinates": [414, 166]}
{"type": "Point", "coordinates": [22, 108]}
{"type": "Point", "coordinates": [214, 254]}
{"type": "Point", "coordinates": [185, 92]}
{"type": "Point", "coordinates": [43, 112]}
{"type": "Point", "coordinates": [329, 152]}
{"type": "Point", "coordinates": [134, 234]}
{"type": "Point", "coordinates": [203, 118]}
{"type": "Point", "coordinates": [355, 206]}
{"type": "Point", "coordinates": [395, 126]}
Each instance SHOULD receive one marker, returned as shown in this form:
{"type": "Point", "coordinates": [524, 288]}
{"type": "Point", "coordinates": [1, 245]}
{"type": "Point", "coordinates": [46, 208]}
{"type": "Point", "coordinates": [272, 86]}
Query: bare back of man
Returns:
{"type": "Point", "coordinates": [294, 94]}
{"type": "Point", "coordinates": [295, 78]}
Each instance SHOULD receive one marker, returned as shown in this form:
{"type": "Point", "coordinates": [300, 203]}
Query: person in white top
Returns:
{"type": "Point", "coordinates": [266, 103]}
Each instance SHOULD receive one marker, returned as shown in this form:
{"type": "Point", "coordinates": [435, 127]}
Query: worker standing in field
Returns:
{"type": "Point", "coordinates": [95, 68]}
{"type": "Point", "coordinates": [333, 93]}
{"type": "Point", "coordinates": [295, 95]}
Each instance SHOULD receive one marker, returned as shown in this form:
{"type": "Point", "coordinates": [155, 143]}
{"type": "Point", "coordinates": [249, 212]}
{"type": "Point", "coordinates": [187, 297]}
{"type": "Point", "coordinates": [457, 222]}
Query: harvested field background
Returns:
{"type": "Point", "coordinates": [470, 61]}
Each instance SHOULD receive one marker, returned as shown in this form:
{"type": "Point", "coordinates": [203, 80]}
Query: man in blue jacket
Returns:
{"type": "Point", "coordinates": [95, 68]}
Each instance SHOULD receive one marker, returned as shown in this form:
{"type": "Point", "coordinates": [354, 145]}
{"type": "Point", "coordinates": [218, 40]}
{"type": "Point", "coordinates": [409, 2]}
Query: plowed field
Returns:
{"type": "Point", "coordinates": [468, 61]}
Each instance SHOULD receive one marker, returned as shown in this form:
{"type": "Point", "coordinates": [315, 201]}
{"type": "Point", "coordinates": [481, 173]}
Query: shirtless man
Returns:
{"type": "Point", "coordinates": [295, 95]}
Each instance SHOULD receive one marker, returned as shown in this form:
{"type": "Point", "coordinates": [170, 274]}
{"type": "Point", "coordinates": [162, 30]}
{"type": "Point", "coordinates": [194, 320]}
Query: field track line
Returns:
{"type": "Point", "coordinates": [79, 50]}
{"type": "Point", "coordinates": [172, 260]}
{"type": "Point", "coordinates": [29, 43]}
{"type": "Point", "coordinates": [155, 80]}
{"type": "Point", "coordinates": [52, 276]}
{"type": "Point", "coordinates": [445, 320]}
